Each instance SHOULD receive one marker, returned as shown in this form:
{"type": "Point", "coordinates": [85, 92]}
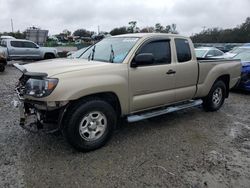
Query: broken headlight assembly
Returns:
{"type": "Point", "coordinates": [40, 87]}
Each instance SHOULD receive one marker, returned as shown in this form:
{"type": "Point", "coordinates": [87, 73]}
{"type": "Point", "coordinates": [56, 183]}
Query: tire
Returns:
{"type": "Point", "coordinates": [216, 97]}
{"type": "Point", "coordinates": [2, 68]}
{"type": "Point", "coordinates": [49, 56]}
{"type": "Point", "coordinates": [89, 124]}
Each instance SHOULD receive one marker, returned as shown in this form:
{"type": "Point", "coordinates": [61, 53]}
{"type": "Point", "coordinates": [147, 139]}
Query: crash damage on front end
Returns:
{"type": "Point", "coordinates": [38, 115]}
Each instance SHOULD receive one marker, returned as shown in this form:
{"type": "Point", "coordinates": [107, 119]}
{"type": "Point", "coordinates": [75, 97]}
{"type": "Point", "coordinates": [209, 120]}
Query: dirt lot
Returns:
{"type": "Point", "coordinates": [190, 148]}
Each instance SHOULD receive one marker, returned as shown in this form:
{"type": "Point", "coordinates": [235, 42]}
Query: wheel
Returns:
{"type": "Point", "coordinates": [216, 97]}
{"type": "Point", "coordinates": [89, 124]}
{"type": "Point", "coordinates": [49, 56]}
{"type": "Point", "coordinates": [2, 68]}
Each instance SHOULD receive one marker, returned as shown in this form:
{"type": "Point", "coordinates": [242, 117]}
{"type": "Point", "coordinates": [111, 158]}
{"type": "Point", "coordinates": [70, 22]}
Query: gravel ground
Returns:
{"type": "Point", "coordinates": [190, 148]}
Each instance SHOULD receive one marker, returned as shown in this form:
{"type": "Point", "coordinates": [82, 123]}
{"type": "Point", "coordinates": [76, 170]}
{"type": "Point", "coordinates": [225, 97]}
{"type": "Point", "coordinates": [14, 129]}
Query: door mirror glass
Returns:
{"type": "Point", "coordinates": [143, 59]}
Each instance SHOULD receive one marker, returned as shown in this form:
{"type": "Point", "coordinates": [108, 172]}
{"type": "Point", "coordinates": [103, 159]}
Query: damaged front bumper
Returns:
{"type": "Point", "coordinates": [35, 119]}
{"type": "Point", "coordinates": [37, 116]}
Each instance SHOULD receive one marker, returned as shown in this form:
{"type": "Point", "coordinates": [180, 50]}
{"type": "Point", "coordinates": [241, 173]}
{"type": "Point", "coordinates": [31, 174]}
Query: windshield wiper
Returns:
{"type": "Point", "coordinates": [112, 55]}
{"type": "Point", "coordinates": [92, 54]}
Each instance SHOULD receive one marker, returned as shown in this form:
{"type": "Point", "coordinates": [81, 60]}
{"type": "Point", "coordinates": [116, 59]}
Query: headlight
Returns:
{"type": "Point", "coordinates": [40, 87]}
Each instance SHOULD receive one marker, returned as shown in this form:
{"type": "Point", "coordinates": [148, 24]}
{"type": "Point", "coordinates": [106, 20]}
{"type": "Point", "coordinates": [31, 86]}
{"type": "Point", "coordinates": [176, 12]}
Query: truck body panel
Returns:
{"type": "Point", "coordinates": [139, 88]}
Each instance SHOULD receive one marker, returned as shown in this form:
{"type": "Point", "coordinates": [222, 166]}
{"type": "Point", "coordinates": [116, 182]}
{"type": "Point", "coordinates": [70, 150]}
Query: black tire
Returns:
{"type": "Point", "coordinates": [214, 101]}
{"type": "Point", "coordinates": [75, 118]}
{"type": "Point", "coordinates": [49, 56]}
{"type": "Point", "coordinates": [2, 68]}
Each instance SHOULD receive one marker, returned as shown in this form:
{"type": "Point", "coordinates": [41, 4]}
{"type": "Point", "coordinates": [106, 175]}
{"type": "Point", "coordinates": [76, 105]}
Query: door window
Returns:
{"type": "Point", "coordinates": [211, 53]}
{"type": "Point", "coordinates": [29, 45]}
{"type": "Point", "coordinates": [218, 53]}
{"type": "Point", "coordinates": [160, 50]}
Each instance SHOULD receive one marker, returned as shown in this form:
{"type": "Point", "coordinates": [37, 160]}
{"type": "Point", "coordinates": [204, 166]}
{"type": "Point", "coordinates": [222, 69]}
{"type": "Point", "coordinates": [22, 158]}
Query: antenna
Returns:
{"type": "Point", "coordinates": [12, 28]}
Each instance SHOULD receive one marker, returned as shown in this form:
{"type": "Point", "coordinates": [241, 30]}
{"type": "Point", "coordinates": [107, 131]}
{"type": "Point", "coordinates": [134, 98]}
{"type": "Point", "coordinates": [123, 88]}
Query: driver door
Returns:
{"type": "Point", "coordinates": [153, 85]}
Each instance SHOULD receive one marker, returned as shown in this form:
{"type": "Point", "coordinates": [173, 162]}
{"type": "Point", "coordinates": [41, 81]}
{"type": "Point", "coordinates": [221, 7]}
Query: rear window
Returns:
{"type": "Point", "coordinates": [183, 50]}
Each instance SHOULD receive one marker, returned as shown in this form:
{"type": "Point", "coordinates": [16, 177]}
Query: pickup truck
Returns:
{"type": "Point", "coordinates": [133, 76]}
{"type": "Point", "coordinates": [16, 49]}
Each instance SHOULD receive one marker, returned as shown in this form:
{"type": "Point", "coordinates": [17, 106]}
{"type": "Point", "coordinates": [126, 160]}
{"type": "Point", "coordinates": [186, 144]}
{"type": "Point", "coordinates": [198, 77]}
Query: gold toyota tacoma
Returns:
{"type": "Point", "coordinates": [133, 76]}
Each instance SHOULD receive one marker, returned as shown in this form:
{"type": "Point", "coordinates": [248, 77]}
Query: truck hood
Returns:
{"type": "Point", "coordinates": [59, 66]}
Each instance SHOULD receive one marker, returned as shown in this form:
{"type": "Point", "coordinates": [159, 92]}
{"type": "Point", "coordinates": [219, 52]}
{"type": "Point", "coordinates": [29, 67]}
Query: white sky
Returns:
{"type": "Point", "coordinates": [57, 15]}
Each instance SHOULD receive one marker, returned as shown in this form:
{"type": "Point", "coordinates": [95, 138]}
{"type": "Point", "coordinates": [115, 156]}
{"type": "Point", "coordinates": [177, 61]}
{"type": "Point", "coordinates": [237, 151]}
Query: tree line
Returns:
{"type": "Point", "coordinates": [131, 28]}
{"type": "Point", "coordinates": [239, 34]}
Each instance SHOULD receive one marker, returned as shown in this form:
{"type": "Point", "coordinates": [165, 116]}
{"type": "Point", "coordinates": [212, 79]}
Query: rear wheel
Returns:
{"type": "Point", "coordinates": [216, 97]}
{"type": "Point", "coordinates": [49, 56]}
{"type": "Point", "coordinates": [89, 124]}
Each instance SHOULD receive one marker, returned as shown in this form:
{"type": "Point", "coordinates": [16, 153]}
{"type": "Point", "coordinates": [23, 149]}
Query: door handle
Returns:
{"type": "Point", "coordinates": [171, 72]}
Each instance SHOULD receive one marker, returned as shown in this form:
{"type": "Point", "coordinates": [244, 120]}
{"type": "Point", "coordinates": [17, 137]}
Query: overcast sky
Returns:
{"type": "Point", "coordinates": [57, 15]}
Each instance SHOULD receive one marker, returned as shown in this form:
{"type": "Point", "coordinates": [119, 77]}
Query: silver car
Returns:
{"type": "Point", "coordinates": [208, 52]}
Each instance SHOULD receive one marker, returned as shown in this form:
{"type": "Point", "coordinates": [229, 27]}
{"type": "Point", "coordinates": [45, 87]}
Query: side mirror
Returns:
{"type": "Point", "coordinates": [37, 46]}
{"type": "Point", "coordinates": [142, 59]}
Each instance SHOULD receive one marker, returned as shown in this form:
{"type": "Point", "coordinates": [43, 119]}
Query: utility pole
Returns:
{"type": "Point", "coordinates": [12, 28]}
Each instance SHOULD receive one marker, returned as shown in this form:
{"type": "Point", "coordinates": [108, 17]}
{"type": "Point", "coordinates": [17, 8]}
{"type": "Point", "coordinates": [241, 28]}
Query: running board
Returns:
{"type": "Point", "coordinates": [139, 117]}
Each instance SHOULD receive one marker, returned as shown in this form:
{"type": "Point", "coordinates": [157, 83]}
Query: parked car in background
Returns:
{"type": "Point", "coordinates": [247, 45]}
{"type": "Point", "coordinates": [236, 51]}
{"type": "Point", "coordinates": [76, 54]}
{"type": "Point", "coordinates": [6, 37]}
{"type": "Point", "coordinates": [245, 71]}
{"type": "Point", "coordinates": [16, 49]}
{"type": "Point", "coordinates": [208, 52]}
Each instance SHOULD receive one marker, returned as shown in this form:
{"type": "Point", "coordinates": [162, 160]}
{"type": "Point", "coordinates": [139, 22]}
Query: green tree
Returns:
{"type": "Point", "coordinates": [159, 28]}
{"type": "Point", "coordinates": [83, 33]}
{"type": "Point", "coordinates": [132, 27]}
{"type": "Point", "coordinates": [119, 31]}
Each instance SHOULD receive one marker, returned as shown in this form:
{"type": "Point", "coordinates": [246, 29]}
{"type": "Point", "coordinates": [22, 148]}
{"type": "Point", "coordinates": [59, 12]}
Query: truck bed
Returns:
{"type": "Point", "coordinates": [214, 68]}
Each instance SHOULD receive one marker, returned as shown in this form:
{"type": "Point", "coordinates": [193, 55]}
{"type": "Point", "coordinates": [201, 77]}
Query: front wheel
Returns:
{"type": "Point", "coordinates": [216, 97]}
{"type": "Point", "coordinates": [2, 68]}
{"type": "Point", "coordinates": [90, 124]}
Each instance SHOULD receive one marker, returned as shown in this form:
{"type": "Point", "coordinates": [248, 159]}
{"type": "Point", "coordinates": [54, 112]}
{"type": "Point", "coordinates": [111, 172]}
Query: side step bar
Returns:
{"type": "Point", "coordinates": [142, 116]}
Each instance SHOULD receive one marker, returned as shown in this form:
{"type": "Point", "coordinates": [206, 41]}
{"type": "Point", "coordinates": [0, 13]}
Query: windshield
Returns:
{"type": "Point", "coordinates": [78, 53]}
{"type": "Point", "coordinates": [200, 53]}
{"type": "Point", "coordinates": [244, 56]}
{"type": "Point", "coordinates": [113, 50]}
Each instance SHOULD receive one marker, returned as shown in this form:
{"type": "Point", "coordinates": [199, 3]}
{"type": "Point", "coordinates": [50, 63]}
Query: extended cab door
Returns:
{"type": "Point", "coordinates": [153, 85]}
{"type": "Point", "coordinates": [186, 70]}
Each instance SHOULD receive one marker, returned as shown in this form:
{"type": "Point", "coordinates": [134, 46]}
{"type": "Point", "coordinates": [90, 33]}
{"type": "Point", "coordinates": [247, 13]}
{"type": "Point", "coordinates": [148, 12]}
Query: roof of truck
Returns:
{"type": "Point", "coordinates": [140, 35]}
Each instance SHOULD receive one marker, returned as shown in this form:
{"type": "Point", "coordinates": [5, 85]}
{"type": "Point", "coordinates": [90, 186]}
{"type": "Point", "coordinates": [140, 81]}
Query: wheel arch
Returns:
{"type": "Point", "coordinates": [49, 53]}
{"type": "Point", "coordinates": [109, 97]}
{"type": "Point", "coordinates": [226, 79]}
